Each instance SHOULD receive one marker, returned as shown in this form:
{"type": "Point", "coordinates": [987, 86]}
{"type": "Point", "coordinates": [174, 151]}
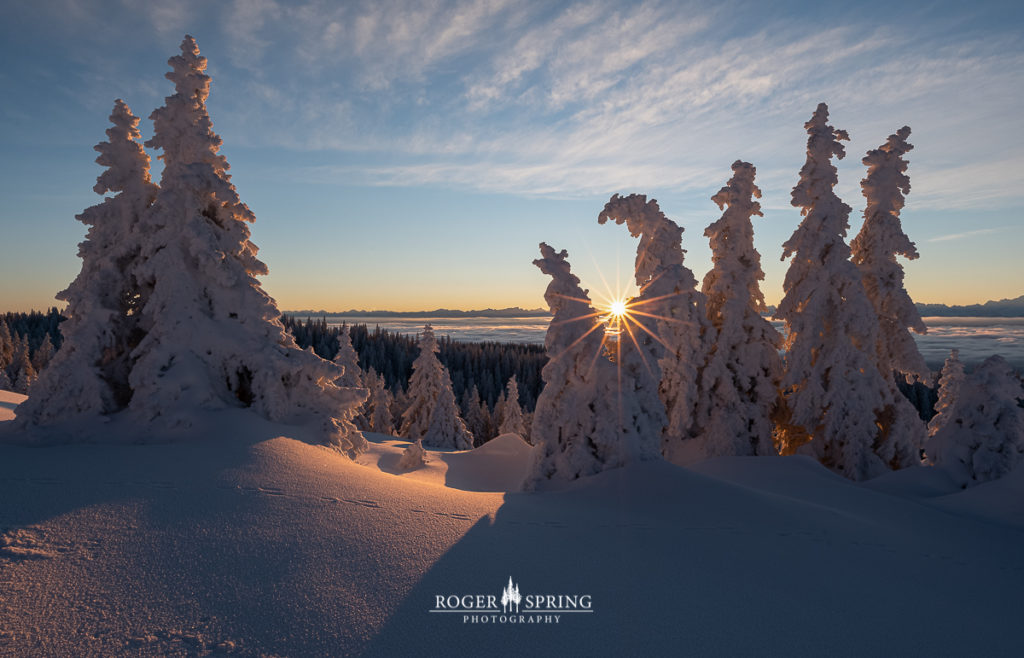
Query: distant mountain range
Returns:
{"type": "Point", "coordinates": [514, 312]}
{"type": "Point", "coordinates": [1004, 308]}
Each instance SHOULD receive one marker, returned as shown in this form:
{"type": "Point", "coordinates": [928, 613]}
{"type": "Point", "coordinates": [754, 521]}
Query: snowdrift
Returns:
{"type": "Point", "coordinates": [247, 539]}
{"type": "Point", "coordinates": [8, 401]}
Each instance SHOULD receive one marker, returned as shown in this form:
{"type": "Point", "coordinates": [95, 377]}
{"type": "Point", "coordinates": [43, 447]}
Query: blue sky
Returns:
{"type": "Point", "coordinates": [411, 155]}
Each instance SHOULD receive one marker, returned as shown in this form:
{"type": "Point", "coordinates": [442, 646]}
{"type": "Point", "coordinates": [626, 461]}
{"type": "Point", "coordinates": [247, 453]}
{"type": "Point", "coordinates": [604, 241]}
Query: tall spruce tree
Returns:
{"type": "Point", "coordinates": [512, 420]}
{"type": "Point", "coordinates": [20, 372]}
{"type": "Point", "coordinates": [349, 360]}
{"type": "Point", "coordinates": [432, 414]}
{"type": "Point", "coordinates": [214, 338]}
{"type": "Point", "coordinates": [89, 376]}
{"type": "Point", "coordinates": [669, 325]}
{"type": "Point", "coordinates": [741, 380]}
{"type": "Point", "coordinates": [378, 412]}
{"type": "Point", "coordinates": [586, 420]}
{"type": "Point", "coordinates": [880, 240]}
{"type": "Point", "coordinates": [841, 406]}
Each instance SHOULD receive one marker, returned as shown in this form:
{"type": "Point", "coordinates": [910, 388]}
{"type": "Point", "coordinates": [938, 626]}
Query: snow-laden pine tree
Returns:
{"type": "Point", "coordinates": [20, 372]}
{"type": "Point", "coordinates": [89, 375]}
{"type": "Point", "coordinates": [352, 377]}
{"type": "Point", "coordinates": [512, 421]}
{"type": "Point", "coordinates": [669, 324]}
{"type": "Point", "coordinates": [840, 405]}
{"type": "Point", "coordinates": [473, 412]}
{"type": "Point", "coordinates": [349, 360]}
{"type": "Point", "coordinates": [982, 436]}
{"type": "Point", "coordinates": [741, 380]}
{"type": "Point", "coordinates": [951, 378]}
{"type": "Point", "coordinates": [44, 354]}
{"type": "Point", "coordinates": [6, 355]}
{"type": "Point", "coordinates": [6, 352]}
{"type": "Point", "coordinates": [585, 422]}
{"type": "Point", "coordinates": [880, 241]}
{"type": "Point", "coordinates": [432, 414]}
{"type": "Point", "coordinates": [378, 412]}
{"type": "Point", "coordinates": [214, 338]}
{"type": "Point", "coordinates": [413, 457]}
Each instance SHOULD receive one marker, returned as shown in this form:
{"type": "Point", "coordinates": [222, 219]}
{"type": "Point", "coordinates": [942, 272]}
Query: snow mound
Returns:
{"type": "Point", "coordinates": [8, 401]}
{"type": "Point", "coordinates": [247, 539]}
{"type": "Point", "coordinates": [498, 465]}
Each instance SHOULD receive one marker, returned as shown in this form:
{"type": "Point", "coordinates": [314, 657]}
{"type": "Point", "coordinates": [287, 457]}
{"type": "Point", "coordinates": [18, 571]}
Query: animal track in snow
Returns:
{"type": "Point", "coordinates": [33, 543]}
{"type": "Point", "coordinates": [364, 503]}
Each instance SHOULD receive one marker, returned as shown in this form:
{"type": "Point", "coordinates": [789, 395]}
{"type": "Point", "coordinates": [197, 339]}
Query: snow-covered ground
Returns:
{"type": "Point", "coordinates": [245, 539]}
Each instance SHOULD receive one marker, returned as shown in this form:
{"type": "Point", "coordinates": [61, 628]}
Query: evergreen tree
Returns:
{"type": "Point", "coordinates": [349, 360]}
{"type": "Point", "coordinates": [667, 323]}
{"type": "Point", "coordinates": [476, 423]}
{"type": "Point", "coordinates": [6, 345]}
{"type": "Point", "coordinates": [90, 374]}
{"type": "Point", "coordinates": [44, 354]}
{"type": "Point", "coordinates": [487, 429]}
{"type": "Point", "coordinates": [497, 416]}
{"type": "Point", "coordinates": [951, 379]}
{"type": "Point", "coordinates": [413, 457]}
{"type": "Point", "coordinates": [874, 250]}
{"type": "Point", "coordinates": [981, 436]}
{"type": "Point", "coordinates": [214, 338]}
{"type": "Point", "coordinates": [740, 383]}
{"type": "Point", "coordinates": [352, 377]}
{"type": "Point", "coordinates": [512, 421]}
{"type": "Point", "coordinates": [432, 414]}
{"type": "Point", "coordinates": [20, 372]}
{"type": "Point", "coordinates": [840, 404]}
{"type": "Point", "coordinates": [586, 419]}
{"type": "Point", "coordinates": [6, 355]}
{"type": "Point", "coordinates": [379, 411]}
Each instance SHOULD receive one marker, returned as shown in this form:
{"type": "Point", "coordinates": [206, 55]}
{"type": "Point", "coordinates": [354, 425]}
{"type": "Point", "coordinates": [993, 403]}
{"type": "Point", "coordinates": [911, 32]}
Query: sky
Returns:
{"type": "Point", "coordinates": [411, 155]}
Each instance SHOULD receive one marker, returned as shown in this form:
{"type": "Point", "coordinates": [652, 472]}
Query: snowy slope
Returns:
{"type": "Point", "coordinates": [8, 401]}
{"type": "Point", "coordinates": [245, 540]}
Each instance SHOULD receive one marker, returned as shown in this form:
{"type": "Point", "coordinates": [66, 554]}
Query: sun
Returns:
{"type": "Point", "coordinates": [615, 317]}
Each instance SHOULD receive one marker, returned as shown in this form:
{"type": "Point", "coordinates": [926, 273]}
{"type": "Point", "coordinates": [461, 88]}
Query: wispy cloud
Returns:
{"type": "Point", "coordinates": [567, 99]}
{"type": "Point", "coordinates": [966, 234]}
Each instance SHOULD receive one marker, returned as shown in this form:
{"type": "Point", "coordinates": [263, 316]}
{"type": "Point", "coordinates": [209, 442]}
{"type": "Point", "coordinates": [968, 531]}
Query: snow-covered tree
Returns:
{"type": "Point", "coordinates": [840, 405]}
{"type": "Point", "coordinates": [352, 377]}
{"type": "Point", "coordinates": [214, 338]}
{"type": "Point", "coordinates": [497, 416]}
{"type": "Point", "coordinates": [950, 380]}
{"type": "Point", "coordinates": [512, 421]}
{"type": "Point", "coordinates": [89, 376]}
{"type": "Point", "coordinates": [6, 346]}
{"type": "Point", "coordinates": [44, 354]}
{"type": "Point", "coordinates": [378, 411]}
{"type": "Point", "coordinates": [413, 457]}
{"type": "Point", "coordinates": [432, 414]}
{"type": "Point", "coordinates": [475, 413]}
{"type": "Point", "coordinates": [741, 380]}
{"type": "Point", "coordinates": [349, 360]}
{"type": "Point", "coordinates": [585, 422]}
{"type": "Point", "coordinates": [20, 372]}
{"type": "Point", "coordinates": [874, 250]}
{"type": "Point", "coordinates": [668, 325]}
{"type": "Point", "coordinates": [981, 437]}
